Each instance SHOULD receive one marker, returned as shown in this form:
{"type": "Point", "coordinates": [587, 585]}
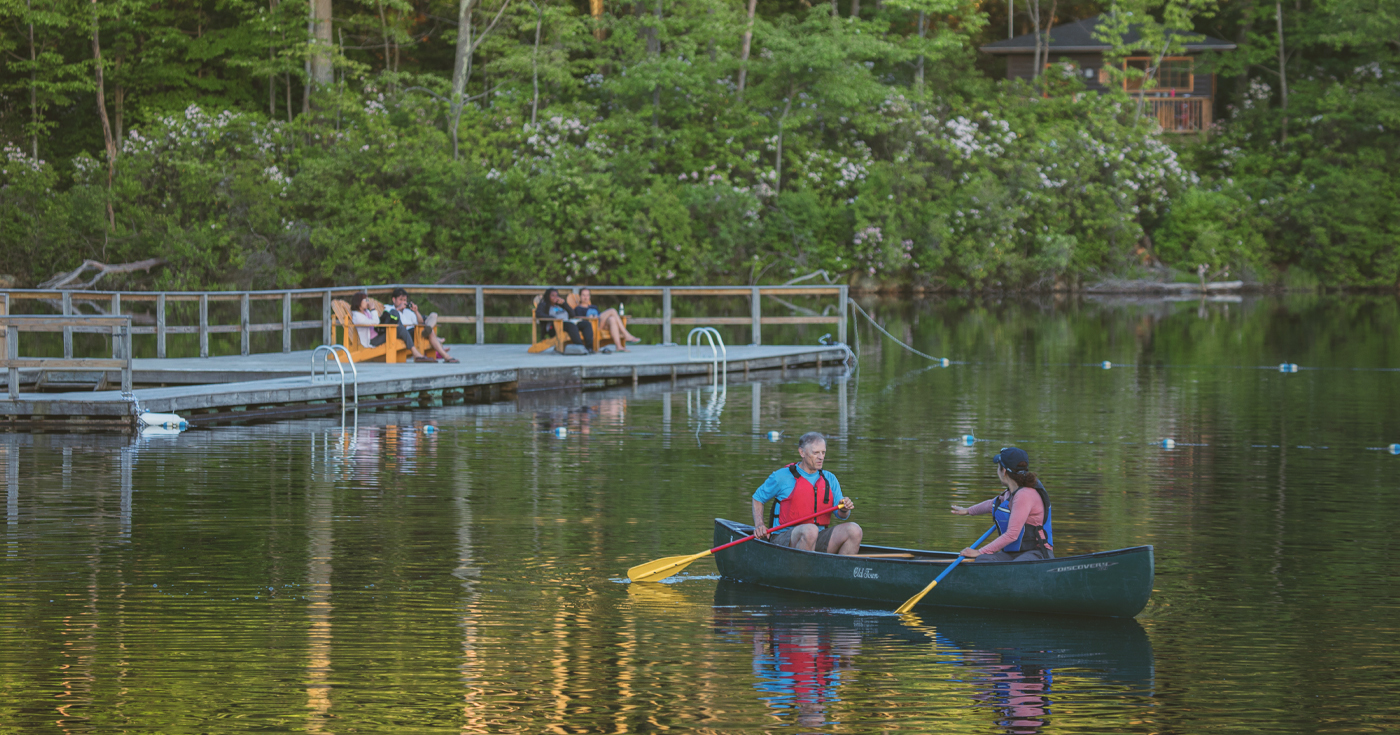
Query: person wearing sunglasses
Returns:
{"type": "Point", "coordinates": [1021, 513]}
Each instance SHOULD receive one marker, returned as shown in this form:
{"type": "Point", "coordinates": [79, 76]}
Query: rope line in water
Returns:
{"type": "Point", "coordinates": [897, 341]}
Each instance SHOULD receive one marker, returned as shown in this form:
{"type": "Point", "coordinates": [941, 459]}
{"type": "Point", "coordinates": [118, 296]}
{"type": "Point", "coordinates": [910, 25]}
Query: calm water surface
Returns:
{"type": "Point", "coordinates": [459, 569]}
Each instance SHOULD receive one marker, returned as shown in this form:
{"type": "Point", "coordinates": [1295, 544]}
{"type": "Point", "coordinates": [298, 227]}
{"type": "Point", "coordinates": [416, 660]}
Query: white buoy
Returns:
{"type": "Point", "coordinates": [945, 362]}
{"type": "Point", "coordinates": [1169, 444]}
{"type": "Point", "coordinates": [163, 420]}
{"type": "Point", "coordinates": [969, 440]}
{"type": "Point", "coordinates": [429, 429]}
{"type": "Point", "coordinates": [1106, 365]}
{"type": "Point", "coordinates": [1288, 367]}
{"type": "Point", "coordinates": [561, 432]}
{"type": "Point", "coordinates": [1395, 448]}
{"type": "Point", "coordinates": [774, 436]}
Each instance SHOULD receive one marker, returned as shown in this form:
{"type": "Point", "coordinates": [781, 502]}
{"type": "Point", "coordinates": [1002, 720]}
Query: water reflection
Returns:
{"type": "Point", "coordinates": [1019, 670]}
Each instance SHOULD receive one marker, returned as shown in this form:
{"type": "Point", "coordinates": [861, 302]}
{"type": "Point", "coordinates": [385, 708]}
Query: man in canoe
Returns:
{"type": "Point", "coordinates": [801, 489]}
{"type": "Point", "coordinates": [1021, 514]}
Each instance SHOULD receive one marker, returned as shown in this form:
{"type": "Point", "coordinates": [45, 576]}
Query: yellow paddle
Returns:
{"type": "Point", "coordinates": [655, 571]}
{"type": "Point", "coordinates": [911, 602]}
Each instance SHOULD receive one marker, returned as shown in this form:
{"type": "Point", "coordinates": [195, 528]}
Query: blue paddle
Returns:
{"type": "Point", "coordinates": [911, 602]}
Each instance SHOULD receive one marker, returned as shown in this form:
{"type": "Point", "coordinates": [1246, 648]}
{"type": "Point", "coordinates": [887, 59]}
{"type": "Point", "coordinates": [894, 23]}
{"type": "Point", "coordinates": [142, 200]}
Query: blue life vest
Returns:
{"type": "Point", "coordinates": [1030, 538]}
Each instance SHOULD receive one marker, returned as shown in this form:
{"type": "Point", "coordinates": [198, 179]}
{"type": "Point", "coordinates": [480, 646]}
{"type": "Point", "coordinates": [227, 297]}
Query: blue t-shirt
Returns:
{"type": "Point", "coordinates": [781, 483]}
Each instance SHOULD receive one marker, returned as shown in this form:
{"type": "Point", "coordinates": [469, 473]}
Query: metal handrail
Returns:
{"type": "Point", "coordinates": [330, 352]}
{"type": "Point", "coordinates": [718, 352]}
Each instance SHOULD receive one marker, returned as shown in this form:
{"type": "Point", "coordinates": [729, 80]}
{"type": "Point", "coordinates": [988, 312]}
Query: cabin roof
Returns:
{"type": "Point", "coordinates": [1079, 37]}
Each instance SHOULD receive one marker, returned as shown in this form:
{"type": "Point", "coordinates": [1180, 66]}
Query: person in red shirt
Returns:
{"type": "Point", "coordinates": [1022, 514]}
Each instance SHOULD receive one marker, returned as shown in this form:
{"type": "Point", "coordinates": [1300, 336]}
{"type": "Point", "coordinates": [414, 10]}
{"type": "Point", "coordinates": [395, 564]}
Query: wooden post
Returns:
{"type": "Point", "coordinates": [160, 325]}
{"type": "Point", "coordinates": [243, 324]}
{"type": "Point", "coordinates": [756, 314]}
{"type": "Point", "coordinates": [68, 331]}
{"type": "Point", "coordinates": [12, 354]}
{"type": "Point", "coordinates": [844, 300]}
{"type": "Point", "coordinates": [4, 311]}
{"type": "Point", "coordinates": [204, 325]}
{"type": "Point", "coordinates": [287, 322]}
{"type": "Point", "coordinates": [116, 331]}
{"type": "Point", "coordinates": [666, 320]}
{"type": "Point", "coordinates": [327, 315]}
{"type": "Point", "coordinates": [480, 315]}
{"type": "Point", "coordinates": [126, 350]}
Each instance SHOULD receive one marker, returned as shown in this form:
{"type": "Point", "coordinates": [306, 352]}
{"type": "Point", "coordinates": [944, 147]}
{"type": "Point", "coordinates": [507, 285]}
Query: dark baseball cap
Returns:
{"type": "Point", "coordinates": [1013, 459]}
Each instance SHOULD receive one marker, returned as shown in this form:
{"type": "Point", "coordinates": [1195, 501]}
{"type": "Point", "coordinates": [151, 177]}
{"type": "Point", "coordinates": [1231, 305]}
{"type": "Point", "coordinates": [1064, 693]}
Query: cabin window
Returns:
{"type": "Point", "coordinates": [1176, 74]}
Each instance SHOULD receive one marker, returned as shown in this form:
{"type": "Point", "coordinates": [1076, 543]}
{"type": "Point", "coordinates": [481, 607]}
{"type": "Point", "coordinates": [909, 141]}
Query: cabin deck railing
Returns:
{"type": "Point", "coordinates": [114, 302]}
{"type": "Point", "coordinates": [118, 326]}
{"type": "Point", "coordinates": [1180, 114]}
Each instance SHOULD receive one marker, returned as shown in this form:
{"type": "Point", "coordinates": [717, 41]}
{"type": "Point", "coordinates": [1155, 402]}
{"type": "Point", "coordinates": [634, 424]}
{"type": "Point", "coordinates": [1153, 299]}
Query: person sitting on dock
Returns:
{"type": "Point", "coordinates": [553, 306]}
{"type": "Point", "coordinates": [406, 314]}
{"type": "Point", "coordinates": [365, 315]}
{"type": "Point", "coordinates": [799, 490]}
{"type": "Point", "coordinates": [1022, 513]}
{"type": "Point", "coordinates": [609, 321]}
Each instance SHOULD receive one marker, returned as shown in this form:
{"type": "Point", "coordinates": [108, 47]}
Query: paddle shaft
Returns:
{"type": "Point", "coordinates": [771, 530]}
{"type": "Point", "coordinates": [911, 602]}
{"type": "Point", "coordinates": [662, 568]}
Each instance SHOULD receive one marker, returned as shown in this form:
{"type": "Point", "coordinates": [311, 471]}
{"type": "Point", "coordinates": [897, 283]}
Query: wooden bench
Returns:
{"type": "Point", "coordinates": [393, 350]}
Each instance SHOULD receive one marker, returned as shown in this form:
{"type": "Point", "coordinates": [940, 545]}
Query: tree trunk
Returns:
{"type": "Point", "coordinates": [1282, 71]}
{"type": "Point", "coordinates": [384, 31]}
{"type": "Point", "coordinates": [1241, 38]}
{"type": "Point", "coordinates": [535, 64]}
{"type": "Point", "coordinates": [322, 71]}
{"type": "Point", "coordinates": [919, 70]}
{"type": "Point", "coordinates": [461, 67]}
{"type": "Point", "coordinates": [744, 50]}
{"type": "Point", "coordinates": [107, 139]}
{"type": "Point", "coordinates": [1033, 8]}
{"type": "Point", "coordinates": [33, 86]}
{"type": "Point", "coordinates": [855, 8]}
{"type": "Point", "coordinates": [778, 161]}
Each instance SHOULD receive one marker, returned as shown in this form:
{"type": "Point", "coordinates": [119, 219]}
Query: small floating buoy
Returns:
{"type": "Point", "coordinates": [1169, 444]}
{"type": "Point", "coordinates": [163, 420]}
{"type": "Point", "coordinates": [945, 362]}
{"type": "Point", "coordinates": [774, 436]}
{"type": "Point", "coordinates": [1394, 448]}
{"type": "Point", "coordinates": [968, 440]}
{"type": "Point", "coordinates": [429, 429]}
{"type": "Point", "coordinates": [1106, 365]}
{"type": "Point", "coordinates": [1288, 367]}
{"type": "Point", "coordinates": [561, 432]}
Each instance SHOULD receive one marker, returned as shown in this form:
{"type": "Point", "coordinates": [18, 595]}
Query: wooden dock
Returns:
{"type": "Point", "coordinates": [206, 390]}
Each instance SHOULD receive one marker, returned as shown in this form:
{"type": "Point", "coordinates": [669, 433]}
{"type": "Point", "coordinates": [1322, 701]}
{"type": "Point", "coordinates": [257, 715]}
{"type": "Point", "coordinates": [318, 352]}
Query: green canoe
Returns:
{"type": "Point", "coordinates": [1109, 584]}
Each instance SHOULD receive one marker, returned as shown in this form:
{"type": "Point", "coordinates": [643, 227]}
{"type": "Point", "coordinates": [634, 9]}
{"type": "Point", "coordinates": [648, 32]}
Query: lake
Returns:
{"type": "Point", "coordinates": [462, 569]}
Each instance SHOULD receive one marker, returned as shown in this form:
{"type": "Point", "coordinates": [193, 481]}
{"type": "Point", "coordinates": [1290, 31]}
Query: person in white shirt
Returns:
{"type": "Point", "coordinates": [405, 313]}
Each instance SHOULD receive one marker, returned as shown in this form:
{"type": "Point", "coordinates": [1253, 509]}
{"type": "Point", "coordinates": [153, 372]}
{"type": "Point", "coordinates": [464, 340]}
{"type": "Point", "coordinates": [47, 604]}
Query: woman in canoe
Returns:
{"type": "Point", "coordinates": [1021, 514]}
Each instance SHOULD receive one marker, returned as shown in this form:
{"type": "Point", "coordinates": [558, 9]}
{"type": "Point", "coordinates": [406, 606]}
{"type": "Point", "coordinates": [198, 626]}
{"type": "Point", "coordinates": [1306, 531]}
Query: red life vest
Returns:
{"type": "Point", "coordinates": [805, 500]}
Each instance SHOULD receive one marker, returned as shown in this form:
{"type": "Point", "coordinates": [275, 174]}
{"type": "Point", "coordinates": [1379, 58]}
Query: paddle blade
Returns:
{"type": "Point", "coordinates": [911, 602]}
{"type": "Point", "coordinates": [655, 571]}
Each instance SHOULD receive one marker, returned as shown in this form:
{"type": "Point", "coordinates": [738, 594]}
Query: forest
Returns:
{"type": "Point", "coordinates": [246, 144]}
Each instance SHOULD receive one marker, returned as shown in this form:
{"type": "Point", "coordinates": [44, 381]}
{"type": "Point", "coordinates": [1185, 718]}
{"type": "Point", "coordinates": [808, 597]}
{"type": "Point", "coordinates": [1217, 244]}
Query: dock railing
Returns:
{"type": "Point", "coordinates": [114, 302]}
{"type": "Point", "coordinates": [118, 326]}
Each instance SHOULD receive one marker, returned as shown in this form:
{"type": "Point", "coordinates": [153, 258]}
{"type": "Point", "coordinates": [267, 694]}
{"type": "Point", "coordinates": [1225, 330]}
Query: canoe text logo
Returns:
{"type": "Point", "coordinates": [864, 573]}
{"type": "Point", "coordinates": [1082, 567]}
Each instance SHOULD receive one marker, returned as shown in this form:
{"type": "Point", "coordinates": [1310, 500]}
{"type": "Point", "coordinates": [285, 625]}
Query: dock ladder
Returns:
{"type": "Point", "coordinates": [325, 376]}
{"type": "Point", "coordinates": [718, 357]}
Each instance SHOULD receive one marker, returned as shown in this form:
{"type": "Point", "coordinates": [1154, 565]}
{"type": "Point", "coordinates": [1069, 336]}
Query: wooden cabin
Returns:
{"type": "Point", "coordinates": [1182, 101]}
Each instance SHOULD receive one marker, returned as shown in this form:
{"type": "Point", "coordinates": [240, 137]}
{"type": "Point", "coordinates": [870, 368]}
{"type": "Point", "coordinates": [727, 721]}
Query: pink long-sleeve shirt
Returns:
{"type": "Point", "coordinates": [1025, 508]}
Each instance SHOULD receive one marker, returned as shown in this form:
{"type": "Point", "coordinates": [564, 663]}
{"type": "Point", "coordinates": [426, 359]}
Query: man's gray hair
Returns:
{"type": "Point", "coordinates": [808, 439]}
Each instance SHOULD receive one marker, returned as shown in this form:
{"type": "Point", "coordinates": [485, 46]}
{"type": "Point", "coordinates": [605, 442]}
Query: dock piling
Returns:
{"type": "Point", "coordinates": [756, 314]}
{"type": "Point", "coordinates": [287, 322]}
{"type": "Point", "coordinates": [243, 321]}
{"type": "Point", "coordinates": [68, 331]}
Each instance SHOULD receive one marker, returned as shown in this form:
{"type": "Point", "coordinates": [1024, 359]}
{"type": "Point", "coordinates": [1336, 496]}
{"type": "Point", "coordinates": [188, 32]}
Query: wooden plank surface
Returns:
{"type": "Point", "coordinates": [60, 363]}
